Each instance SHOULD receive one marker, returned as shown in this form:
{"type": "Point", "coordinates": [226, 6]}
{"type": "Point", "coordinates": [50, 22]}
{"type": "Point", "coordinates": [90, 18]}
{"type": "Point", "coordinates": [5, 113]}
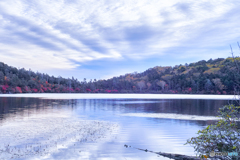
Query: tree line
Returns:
{"type": "Point", "coordinates": [203, 77]}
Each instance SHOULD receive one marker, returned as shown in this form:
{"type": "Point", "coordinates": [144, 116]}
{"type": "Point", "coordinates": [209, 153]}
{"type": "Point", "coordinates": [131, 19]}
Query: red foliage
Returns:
{"type": "Point", "coordinates": [172, 91]}
{"type": "Point", "coordinates": [18, 90]}
{"type": "Point", "coordinates": [77, 89]}
{"type": "Point", "coordinates": [57, 90]}
{"type": "Point", "coordinates": [69, 89]}
{"type": "Point", "coordinates": [89, 90]}
{"type": "Point", "coordinates": [4, 88]}
{"type": "Point", "coordinates": [34, 90]}
{"type": "Point", "coordinates": [96, 90]}
{"type": "Point", "coordinates": [107, 90]}
{"type": "Point", "coordinates": [190, 89]}
{"type": "Point", "coordinates": [26, 89]}
{"type": "Point", "coordinates": [218, 92]}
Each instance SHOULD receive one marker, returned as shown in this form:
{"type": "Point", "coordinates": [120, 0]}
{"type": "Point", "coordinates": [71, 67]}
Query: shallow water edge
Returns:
{"type": "Point", "coordinates": [119, 96]}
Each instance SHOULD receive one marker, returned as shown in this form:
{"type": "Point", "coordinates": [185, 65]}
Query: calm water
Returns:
{"type": "Point", "coordinates": [36, 117]}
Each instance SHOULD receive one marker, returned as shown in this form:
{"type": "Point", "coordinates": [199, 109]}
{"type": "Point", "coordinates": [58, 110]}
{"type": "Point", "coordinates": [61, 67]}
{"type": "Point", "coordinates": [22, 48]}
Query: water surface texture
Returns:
{"type": "Point", "coordinates": [35, 128]}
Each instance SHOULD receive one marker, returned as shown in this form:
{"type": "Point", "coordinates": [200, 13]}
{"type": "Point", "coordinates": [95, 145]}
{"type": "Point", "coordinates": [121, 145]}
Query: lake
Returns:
{"type": "Point", "coordinates": [97, 126]}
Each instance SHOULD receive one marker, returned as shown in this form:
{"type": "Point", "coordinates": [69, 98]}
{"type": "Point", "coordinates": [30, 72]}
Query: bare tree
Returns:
{"type": "Point", "coordinates": [217, 82]}
{"type": "Point", "coordinates": [149, 85]}
{"type": "Point", "coordinates": [141, 85]}
{"type": "Point", "coordinates": [161, 84]}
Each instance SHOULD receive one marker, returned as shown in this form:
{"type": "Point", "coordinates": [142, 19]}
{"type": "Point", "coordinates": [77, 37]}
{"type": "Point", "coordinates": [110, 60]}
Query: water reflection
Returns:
{"type": "Point", "coordinates": [188, 106]}
{"type": "Point", "coordinates": [26, 106]}
{"type": "Point", "coordinates": [156, 134]}
{"type": "Point", "coordinates": [47, 129]}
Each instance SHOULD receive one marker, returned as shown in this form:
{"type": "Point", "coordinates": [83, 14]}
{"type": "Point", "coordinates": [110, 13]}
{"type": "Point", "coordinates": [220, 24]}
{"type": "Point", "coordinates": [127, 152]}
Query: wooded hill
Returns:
{"type": "Point", "coordinates": [217, 76]}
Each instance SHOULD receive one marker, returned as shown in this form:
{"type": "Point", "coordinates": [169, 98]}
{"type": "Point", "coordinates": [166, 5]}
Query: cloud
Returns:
{"type": "Point", "coordinates": [67, 34]}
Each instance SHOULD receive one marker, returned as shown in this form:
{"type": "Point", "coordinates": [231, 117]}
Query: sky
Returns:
{"type": "Point", "coordinates": [100, 39]}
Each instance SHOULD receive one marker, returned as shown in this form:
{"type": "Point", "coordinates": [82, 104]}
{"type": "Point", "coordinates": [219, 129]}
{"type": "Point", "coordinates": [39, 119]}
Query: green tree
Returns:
{"type": "Point", "coordinates": [224, 136]}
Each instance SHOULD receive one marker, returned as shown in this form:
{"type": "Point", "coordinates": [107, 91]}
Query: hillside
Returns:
{"type": "Point", "coordinates": [204, 77]}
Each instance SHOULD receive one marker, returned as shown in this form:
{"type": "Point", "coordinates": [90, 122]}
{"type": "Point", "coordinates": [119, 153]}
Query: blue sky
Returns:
{"type": "Point", "coordinates": [102, 38]}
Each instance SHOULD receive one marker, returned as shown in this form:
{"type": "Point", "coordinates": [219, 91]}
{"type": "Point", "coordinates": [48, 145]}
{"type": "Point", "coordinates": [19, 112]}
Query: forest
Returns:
{"type": "Point", "coordinates": [216, 76]}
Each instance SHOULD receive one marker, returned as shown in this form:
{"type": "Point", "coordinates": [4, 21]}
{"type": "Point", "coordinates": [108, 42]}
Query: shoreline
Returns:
{"type": "Point", "coordinates": [119, 96]}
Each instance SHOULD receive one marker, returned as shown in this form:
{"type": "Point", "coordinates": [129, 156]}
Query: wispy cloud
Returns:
{"type": "Point", "coordinates": [46, 35]}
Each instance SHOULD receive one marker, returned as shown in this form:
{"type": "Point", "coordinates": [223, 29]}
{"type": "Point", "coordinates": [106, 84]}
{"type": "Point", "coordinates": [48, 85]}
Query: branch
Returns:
{"type": "Point", "coordinates": [234, 58]}
{"type": "Point", "coordinates": [168, 155]}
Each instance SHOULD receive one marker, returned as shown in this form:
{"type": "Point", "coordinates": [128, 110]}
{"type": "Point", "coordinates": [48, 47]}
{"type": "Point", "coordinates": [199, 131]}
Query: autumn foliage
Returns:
{"type": "Point", "coordinates": [203, 77]}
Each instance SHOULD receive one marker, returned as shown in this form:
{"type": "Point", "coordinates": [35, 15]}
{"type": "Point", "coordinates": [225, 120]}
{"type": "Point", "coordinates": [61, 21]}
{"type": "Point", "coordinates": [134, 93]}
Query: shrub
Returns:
{"type": "Point", "coordinates": [224, 136]}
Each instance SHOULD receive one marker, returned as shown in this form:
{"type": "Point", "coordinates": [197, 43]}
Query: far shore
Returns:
{"type": "Point", "coordinates": [119, 96]}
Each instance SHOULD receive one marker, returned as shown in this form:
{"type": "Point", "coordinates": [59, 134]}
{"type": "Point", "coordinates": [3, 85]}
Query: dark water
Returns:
{"type": "Point", "coordinates": [156, 134]}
